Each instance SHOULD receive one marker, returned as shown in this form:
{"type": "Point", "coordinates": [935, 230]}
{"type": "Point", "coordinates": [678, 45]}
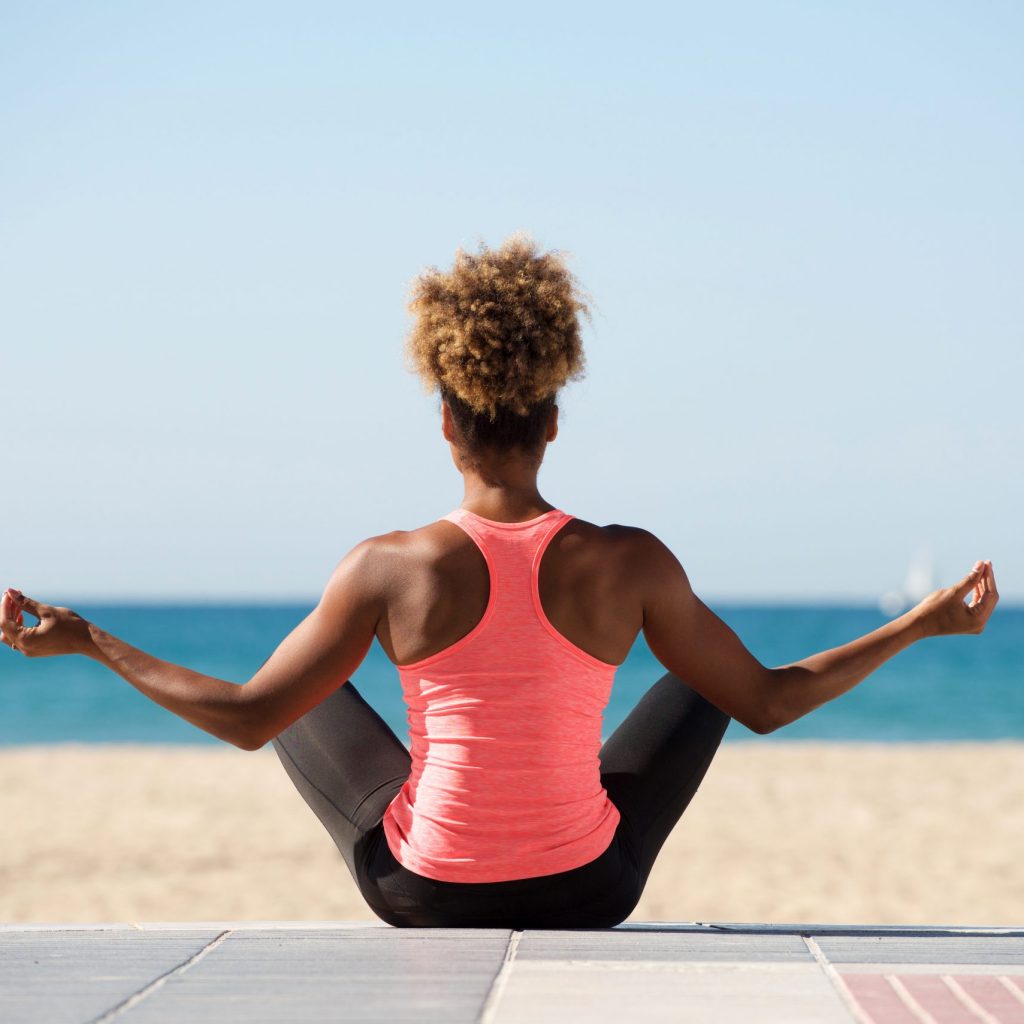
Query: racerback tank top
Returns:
{"type": "Point", "coordinates": [505, 731]}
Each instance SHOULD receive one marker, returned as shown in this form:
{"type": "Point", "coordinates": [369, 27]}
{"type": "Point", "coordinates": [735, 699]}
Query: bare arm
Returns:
{"type": "Point", "coordinates": [798, 688]}
{"type": "Point", "coordinates": [804, 685]}
{"type": "Point", "coordinates": [319, 655]}
{"type": "Point", "coordinates": [697, 646]}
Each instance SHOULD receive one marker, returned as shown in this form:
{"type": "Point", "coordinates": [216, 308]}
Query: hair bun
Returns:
{"type": "Point", "coordinates": [500, 330]}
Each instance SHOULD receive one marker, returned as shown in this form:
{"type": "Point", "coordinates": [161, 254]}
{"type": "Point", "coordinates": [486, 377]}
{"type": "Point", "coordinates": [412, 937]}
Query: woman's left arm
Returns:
{"type": "Point", "coordinates": [319, 655]}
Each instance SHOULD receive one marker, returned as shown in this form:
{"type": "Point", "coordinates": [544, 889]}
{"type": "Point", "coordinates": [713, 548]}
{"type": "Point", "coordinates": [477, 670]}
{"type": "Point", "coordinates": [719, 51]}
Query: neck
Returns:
{"type": "Point", "coordinates": [503, 499]}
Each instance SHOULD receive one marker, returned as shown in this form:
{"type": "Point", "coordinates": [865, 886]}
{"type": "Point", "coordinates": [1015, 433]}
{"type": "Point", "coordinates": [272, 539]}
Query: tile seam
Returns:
{"type": "Point", "coordinates": [497, 989]}
{"type": "Point", "coordinates": [147, 990]}
{"type": "Point", "coordinates": [840, 987]}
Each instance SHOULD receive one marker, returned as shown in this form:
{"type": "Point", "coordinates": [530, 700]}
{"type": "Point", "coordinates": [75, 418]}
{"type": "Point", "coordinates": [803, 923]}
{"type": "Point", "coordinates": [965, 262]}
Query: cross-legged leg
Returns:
{"type": "Point", "coordinates": [347, 764]}
{"type": "Point", "coordinates": [655, 760]}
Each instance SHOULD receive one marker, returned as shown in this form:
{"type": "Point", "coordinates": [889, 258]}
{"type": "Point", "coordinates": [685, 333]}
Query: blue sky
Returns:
{"type": "Point", "coordinates": [801, 225]}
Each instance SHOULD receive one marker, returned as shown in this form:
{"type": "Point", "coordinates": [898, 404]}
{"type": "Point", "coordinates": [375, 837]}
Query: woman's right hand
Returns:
{"type": "Point", "coordinates": [944, 612]}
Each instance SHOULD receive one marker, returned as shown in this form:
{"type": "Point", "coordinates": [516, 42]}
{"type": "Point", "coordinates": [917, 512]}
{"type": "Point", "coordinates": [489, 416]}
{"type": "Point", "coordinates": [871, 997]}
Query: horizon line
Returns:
{"type": "Point", "coordinates": [290, 600]}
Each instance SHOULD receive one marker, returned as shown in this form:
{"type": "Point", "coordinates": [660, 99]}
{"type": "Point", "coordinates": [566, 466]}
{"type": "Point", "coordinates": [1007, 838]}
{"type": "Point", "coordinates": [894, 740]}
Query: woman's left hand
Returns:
{"type": "Point", "coordinates": [59, 630]}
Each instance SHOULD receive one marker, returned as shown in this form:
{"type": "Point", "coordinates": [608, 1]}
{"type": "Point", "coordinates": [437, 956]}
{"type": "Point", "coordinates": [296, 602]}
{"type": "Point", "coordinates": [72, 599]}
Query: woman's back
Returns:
{"type": "Point", "coordinates": [591, 586]}
{"type": "Point", "coordinates": [501, 716]}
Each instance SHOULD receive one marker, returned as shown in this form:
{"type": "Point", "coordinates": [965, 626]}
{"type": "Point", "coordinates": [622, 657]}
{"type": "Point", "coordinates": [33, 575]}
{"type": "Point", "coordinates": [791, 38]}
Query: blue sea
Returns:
{"type": "Point", "coordinates": [942, 688]}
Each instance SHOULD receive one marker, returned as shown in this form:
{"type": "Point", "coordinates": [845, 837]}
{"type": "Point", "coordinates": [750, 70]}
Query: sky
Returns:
{"type": "Point", "coordinates": [800, 224]}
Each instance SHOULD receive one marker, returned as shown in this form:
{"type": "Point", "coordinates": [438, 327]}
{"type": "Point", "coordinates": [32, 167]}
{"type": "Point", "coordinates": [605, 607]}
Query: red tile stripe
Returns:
{"type": "Point", "coordinates": [936, 998]}
{"type": "Point", "coordinates": [929, 998]}
{"type": "Point", "coordinates": [992, 994]}
{"type": "Point", "coordinates": [968, 1000]}
{"type": "Point", "coordinates": [878, 999]}
{"type": "Point", "coordinates": [1013, 985]}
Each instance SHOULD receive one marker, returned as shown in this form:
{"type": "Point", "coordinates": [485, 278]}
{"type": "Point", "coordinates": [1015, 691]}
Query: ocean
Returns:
{"type": "Point", "coordinates": [942, 688]}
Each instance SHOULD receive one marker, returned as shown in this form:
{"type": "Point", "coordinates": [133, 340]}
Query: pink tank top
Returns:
{"type": "Point", "coordinates": [505, 730]}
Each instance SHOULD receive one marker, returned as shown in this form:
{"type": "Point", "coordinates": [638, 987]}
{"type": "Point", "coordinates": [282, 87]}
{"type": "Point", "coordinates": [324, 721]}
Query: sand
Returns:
{"type": "Point", "coordinates": [779, 832]}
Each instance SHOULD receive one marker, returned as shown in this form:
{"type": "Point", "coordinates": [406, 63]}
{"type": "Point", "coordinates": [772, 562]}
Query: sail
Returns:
{"type": "Point", "coordinates": [918, 583]}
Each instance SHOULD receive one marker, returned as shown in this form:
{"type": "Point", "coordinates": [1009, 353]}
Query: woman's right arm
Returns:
{"type": "Point", "coordinates": [697, 646]}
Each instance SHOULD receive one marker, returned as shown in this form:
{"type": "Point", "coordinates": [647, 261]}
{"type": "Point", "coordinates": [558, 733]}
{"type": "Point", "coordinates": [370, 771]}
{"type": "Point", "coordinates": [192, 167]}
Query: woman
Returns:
{"type": "Point", "coordinates": [507, 619]}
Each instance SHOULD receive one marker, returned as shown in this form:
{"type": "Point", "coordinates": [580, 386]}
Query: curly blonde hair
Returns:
{"type": "Point", "coordinates": [498, 335]}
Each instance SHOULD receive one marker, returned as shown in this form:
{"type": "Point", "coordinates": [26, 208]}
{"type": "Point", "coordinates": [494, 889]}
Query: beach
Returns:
{"type": "Point", "coordinates": [922, 833]}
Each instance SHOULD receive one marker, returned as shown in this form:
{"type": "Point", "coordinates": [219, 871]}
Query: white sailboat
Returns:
{"type": "Point", "coordinates": [918, 584]}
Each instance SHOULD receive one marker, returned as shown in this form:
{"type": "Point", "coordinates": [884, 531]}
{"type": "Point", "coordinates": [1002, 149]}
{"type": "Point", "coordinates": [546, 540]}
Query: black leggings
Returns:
{"type": "Point", "coordinates": [348, 765]}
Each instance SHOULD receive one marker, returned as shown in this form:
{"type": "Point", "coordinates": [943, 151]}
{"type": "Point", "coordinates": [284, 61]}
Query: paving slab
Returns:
{"type": "Point", "coordinates": [617, 992]}
{"type": "Point", "coordinates": [933, 949]}
{"type": "Point", "coordinates": [416, 975]}
{"type": "Point", "coordinates": [720, 972]}
{"type": "Point", "coordinates": [64, 977]}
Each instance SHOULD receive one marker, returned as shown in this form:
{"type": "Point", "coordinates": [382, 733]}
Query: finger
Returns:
{"type": "Point", "coordinates": [9, 606]}
{"type": "Point", "coordinates": [988, 604]}
{"type": "Point", "coordinates": [983, 582]}
{"type": "Point", "coordinates": [12, 624]}
{"type": "Point", "coordinates": [968, 583]}
{"type": "Point", "coordinates": [985, 611]}
{"type": "Point", "coordinates": [32, 607]}
{"type": "Point", "coordinates": [992, 580]}
{"type": "Point", "coordinates": [8, 622]}
{"type": "Point", "coordinates": [12, 595]}
{"type": "Point", "coordinates": [987, 597]}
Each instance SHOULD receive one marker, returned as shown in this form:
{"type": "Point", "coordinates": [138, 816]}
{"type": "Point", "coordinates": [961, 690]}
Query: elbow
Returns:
{"type": "Point", "coordinates": [762, 724]}
{"type": "Point", "coordinates": [249, 729]}
{"type": "Point", "coordinates": [765, 724]}
{"type": "Point", "coordinates": [251, 735]}
{"type": "Point", "coordinates": [769, 714]}
{"type": "Point", "coordinates": [249, 741]}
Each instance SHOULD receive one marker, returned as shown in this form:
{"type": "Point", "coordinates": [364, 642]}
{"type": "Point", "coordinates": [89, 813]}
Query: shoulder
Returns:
{"type": "Point", "coordinates": [382, 546]}
{"type": "Point", "coordinates": [633, 542]}
{"type": "Point", "coordinates": [632, 556]}
{"type": "Point", "coordinates": [395, 545]}
{"type": "Point", "coordinates": [646, 561]}
{"type": "Point", "coordinates": [367, 566]}
{"type": "Point", "coordinates": [384, 560]}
